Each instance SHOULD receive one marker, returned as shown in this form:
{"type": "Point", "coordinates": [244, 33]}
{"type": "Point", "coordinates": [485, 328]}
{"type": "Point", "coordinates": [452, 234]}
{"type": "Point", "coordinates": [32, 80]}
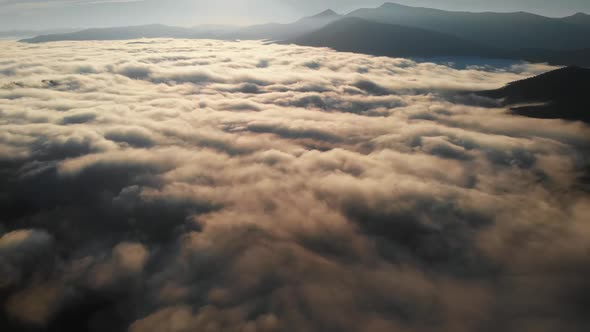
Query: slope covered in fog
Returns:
{"type": "Point", "coordinates": [579, 57]}
{"type": "Point", "coordinates": [563, 94]}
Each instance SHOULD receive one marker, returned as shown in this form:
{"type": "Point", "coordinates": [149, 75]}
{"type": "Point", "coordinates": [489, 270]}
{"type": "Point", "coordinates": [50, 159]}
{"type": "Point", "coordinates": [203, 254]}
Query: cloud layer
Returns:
{"type": "Point", "coordinates": [175, 185]}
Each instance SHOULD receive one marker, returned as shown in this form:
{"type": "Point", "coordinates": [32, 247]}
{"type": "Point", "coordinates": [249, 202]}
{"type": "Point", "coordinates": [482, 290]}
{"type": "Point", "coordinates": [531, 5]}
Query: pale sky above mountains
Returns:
{"type": "Point", "coordinates": [43, 14]}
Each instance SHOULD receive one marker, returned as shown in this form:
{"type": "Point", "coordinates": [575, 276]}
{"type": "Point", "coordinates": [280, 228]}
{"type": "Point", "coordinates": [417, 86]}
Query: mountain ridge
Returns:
{"type": "Point", "coordinates": [579, 18]}
{"type": "Point", "coordinates": [558, 94]}
{"type": "Point", "coordinates": [509, 31]}
{"type": "Point", "coordinates": [325, 13]}
{"type": "Point", "coordinates": [353, 34]}
{"type": "Point", "coordinates": [283, 31]}
{"type": "Point", "coordinates": [516, 35]}
{"type": "Point", "coordinates": [129, 32]}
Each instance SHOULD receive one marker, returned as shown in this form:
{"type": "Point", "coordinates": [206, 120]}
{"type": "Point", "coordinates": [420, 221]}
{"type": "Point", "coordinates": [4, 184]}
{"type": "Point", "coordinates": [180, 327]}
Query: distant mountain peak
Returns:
{"type": "Point", "coordinates": [578, 18]}
{"type": "Point", "coordinates": [325, 13]}
{"type": "Point", "coordinates": [392, 4]}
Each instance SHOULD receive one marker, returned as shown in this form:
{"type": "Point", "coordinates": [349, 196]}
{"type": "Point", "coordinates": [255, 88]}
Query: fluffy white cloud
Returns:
{"type": "Point", "coordinates": [184, 186]}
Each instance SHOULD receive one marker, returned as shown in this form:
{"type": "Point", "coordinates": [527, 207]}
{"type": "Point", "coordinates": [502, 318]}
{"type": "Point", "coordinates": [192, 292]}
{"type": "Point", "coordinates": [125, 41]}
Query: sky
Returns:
{"type": "Point", "coordinates": [44, 14]}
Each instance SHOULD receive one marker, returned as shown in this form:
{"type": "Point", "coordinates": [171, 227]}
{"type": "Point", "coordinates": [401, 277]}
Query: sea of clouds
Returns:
{"type": "Point", "coordinates": [185, 185]}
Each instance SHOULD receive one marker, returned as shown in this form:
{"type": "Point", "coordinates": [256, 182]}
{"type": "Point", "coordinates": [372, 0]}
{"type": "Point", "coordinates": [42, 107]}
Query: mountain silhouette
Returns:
{"type": "Point", "coordinates": [559, 94]}
{"type": "Point", "coordinates": [509, 31]}
{"type": "Point", "coordinates": [558, 58]}
{"type": "Point", "coordinates": [326, 13]}
{"type": "Point", "coordinates": [361, 36]}
{"type": "Point", "coordinates": [270, 31]}
{"type": "Point", "coordinates": [579, 19]}
{"type": "Point", "coordinates": [397, 30]}
{"type": "Point", "coordinates": [133, 32]}
{"type": "Point", "coordinates": [279, 32]}
{"type": "Point", "coordinates": [32, 33]}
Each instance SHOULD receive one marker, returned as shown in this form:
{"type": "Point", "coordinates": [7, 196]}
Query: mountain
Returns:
{"type": "Point", "coordinates": [271, 31]}
{"type": "Point", "coordinates": [361, 36]}
{"type": "Point", "coordinates": [31, 33]}
{"type": "Point", "coordinates": [510, 31]}
{"type": "Point", "coordinates": [578, 19]}
{"type": "Point", "coordinates": [133, 32]}
{"type": "Point", "coordinates": [559, 94]}
{"type": "Point", "coordinates": [558, 58]}
{"type": "Point", "coordinates": [278, 31]}
{"type": "Point", "coordinates": [326, 13]}
{"type": "Point", "coordinates": [519, 36]}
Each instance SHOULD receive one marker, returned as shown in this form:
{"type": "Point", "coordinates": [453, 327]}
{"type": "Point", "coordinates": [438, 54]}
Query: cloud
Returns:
{"type": "Point", "coordinates": [35, 305]}
{"type": "Point", "coordinates": [189, 185]}
{"type": "Point", "coordinates": [23, 253]}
